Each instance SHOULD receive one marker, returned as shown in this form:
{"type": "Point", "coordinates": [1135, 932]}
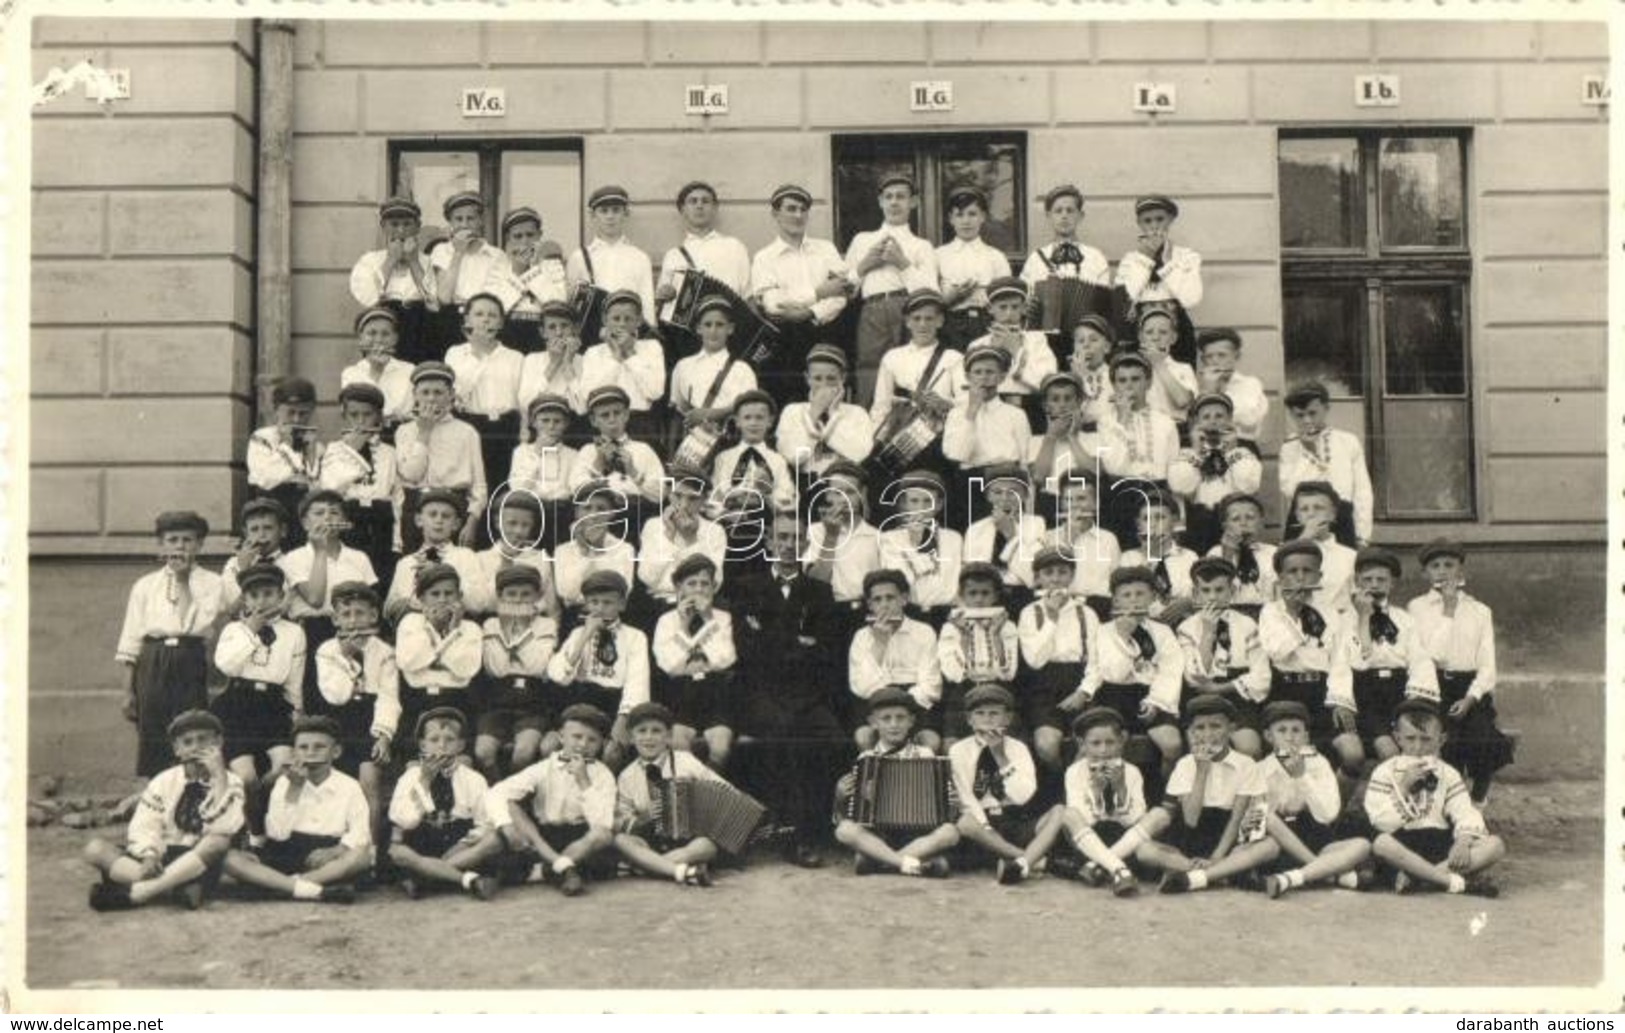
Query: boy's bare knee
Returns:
{"type": "Point", "coordinates": [1385, 846]}
{"type": "Point", "coordinates": [846, 833]}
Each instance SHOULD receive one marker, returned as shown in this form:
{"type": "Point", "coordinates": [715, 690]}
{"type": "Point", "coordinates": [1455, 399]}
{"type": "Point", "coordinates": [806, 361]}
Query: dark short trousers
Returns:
{"type": "Point", "coordinates": [1248, 713]}
{"type": "Point", "coordinates": [291, 856]}
{"type": "Point", "coordinates": [355, 733]}
{"type": "Point", "coordinates": [1313, 834]}
{"type": "Point", "coordinates": [512, 705]}
{"type": "Point", "coordinates": [437, 840]}
{"type": "Point", "coordinates": [1432, 845]}
{"type": "Point", "coordinates": [591, 693]}
{"type": "Point", "coordinates": [416, 702]}
{"type": "Point", "coordinates": [1109, 831]}
{"type": "Point", "coordinates": [1376, 695]}
{"type": "Point", "coordinates": [1039, 695]}
{"type": "Point", "coordinates": [1308, 688]}
{"type": "Point", "coordinates": [1126, 699]}
{"type": "Point", "coordinates": [1017, 825]}
{"type": "Point", "coordinates": [701, 703]}
{"type": "Point", "coordinates": [1201, 840]}
{"type": "Point", "coordinates": [255, 719]}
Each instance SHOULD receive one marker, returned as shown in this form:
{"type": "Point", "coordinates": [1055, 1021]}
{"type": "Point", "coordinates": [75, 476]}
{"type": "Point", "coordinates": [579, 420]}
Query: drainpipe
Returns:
{"type": "Point", "coordinates": [273, 295]}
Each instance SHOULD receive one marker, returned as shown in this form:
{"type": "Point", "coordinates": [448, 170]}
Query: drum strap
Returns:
{"type": "Point", "coordinates": [683, 250]}
{"type": "Point", "coordinates": [586, 257]}
{"type": "Point", "coordinates": [716, 385]}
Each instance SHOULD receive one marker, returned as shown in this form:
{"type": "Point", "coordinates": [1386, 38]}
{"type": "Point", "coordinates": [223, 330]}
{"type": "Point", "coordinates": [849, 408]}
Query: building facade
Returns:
{"type": "Point", "coordinates": [1413, 212]}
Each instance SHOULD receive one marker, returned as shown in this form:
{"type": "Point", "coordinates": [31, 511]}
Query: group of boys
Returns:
{"type": "Point", "coordinates": [1072, 561]}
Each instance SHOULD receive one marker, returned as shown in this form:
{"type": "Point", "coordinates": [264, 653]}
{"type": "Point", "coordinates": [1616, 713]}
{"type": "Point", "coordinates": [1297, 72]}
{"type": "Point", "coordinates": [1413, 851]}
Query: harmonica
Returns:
{"type": "Point", "coordinates": [354, 633]}
{"type": "Point", "coordinates": [1139, 611]}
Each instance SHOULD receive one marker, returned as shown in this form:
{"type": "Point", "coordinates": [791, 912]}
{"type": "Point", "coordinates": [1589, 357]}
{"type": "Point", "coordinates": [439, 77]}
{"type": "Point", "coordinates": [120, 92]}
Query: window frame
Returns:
{"type": "Point", "coordinates": [1373, 268]}
{"type": "Point", "coordinates": [932, 226]}
{"type": "Point", "coordinates": [489, 150]}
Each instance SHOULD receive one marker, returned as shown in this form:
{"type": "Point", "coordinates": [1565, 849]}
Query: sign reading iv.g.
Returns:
{"type": "Point", "coordinates": [484, 102]}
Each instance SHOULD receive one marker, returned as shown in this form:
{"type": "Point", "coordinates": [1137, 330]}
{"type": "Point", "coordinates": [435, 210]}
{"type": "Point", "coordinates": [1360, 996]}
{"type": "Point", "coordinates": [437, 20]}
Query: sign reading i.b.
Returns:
{"type": "Point", "coordinates": [1376, 91]}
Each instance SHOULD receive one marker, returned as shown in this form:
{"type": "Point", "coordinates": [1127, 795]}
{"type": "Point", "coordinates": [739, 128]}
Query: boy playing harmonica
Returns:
{"type": "Point", "coordinates": [436, 811]}
{"type": "Point", "coordinates": [1105, 802]}
{"type": "Point", "coordinates": [181, 829]}
{"type": "Point", "coordinates": [997, 782]}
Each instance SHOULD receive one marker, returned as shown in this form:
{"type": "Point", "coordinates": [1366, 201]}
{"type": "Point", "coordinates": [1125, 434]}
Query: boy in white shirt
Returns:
{"type": "Point", "coordinates": [1222, 652]}
{"type": "Point", "coordinates": [887, 264]}
{"type": "Point", "coordinates": [556, 368]}
{"type": "Point", "coordinates": [361, 468]}
{"type": "Point", "coordinates": [916, 542]}
{"type": "Point", "coordinates": [541, 466]}
{"type": "Point", "coordinates": [826, 427]}
{"type": "Point", "coordinates": [1139, 443]}
{"type": "Point", "coordinates": [1159, 270]}
{"type": "Point", "coordinates": [982, 431]}
{"type": "Point", "coordinates": [1092, 549]}
{"type": "Point", "coordinates": [318, 829]}
{"type": "Point", "coordinates": [1031, 359]}
{"type": "Point", "coordinates": [532, 276]}
{"type": "Point", "coordinates": [437, 451]}
{"type": "Point", "coordinates": [894, 651]}
{"type": "Point", "coordinates": [636, 365]}
{"type": "Point", "coordinates": [399, 277]}
{"type": "Point", "coordinates": [694, 651]}
{"type": "Point", "coordinates": [1321, 453]}
{"type": "Point", "coordinates": [997, 783]}
{"type": "Point", "coordinates": [377, 339]}
{"type": "Point", "coordinates": [463, 267]}
{"type": "Point", "coordinates": [611, 261]}
{"type": "Point", "coordinates": [1217, 352]}
{"type": "Point", "coordinates": [1060, 640]}
{"type": "Point", "coordinates": [518, 644]}
{"type": "Point", "coordinates": [967, 265]}
{"type": "Point", "coordinates": [1214, 466]}
{"type": "Point", "coordinates": [801, 284]}
{"type": "Point", "coordinates": [703, 250]}
{"type": "Point", "coordinates": [1241, 523]}
{"type": "Point", "coordinates": [1173, 383]}
{"type": "Point", "coordinates": [436, 811]}
{"type": "Point", "coordinates": [1066, 258]}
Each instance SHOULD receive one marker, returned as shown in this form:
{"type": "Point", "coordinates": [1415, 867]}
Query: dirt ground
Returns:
{"type": "Point", "coordinates": [776, 926]}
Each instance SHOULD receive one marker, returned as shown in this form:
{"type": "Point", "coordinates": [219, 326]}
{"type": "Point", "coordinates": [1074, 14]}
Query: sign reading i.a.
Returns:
{"type": "Point", "coordinates": [706, 100]}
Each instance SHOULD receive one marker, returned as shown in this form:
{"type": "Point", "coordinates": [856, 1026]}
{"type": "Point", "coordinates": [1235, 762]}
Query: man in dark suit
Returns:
{"type": "Point", "coordinates": [791, 652]}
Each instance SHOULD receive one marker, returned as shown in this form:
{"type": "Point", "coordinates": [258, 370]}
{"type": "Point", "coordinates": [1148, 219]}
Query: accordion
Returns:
{"type": "Point", "coordinates": [755, 340]}
{"type": "Point", "coordinates": [1063, 301]}
{"type": "Point", "coordinates": [694, 807]}
{"type": "Point", "coordinates": [902, 794]}
{"type": "Point", "coordinates": [587, 302]}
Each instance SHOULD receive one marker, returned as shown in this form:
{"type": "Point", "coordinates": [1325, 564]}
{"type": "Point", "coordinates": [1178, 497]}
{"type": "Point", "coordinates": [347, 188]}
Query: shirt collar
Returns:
{"type": "Point", "coordinates": [710, 234]}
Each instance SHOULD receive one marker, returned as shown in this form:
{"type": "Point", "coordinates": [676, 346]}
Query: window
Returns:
{"type": "Point", "coordinates": [1375, 270]}
{"type": "Point", "coordinates": [542, 174]}
{"type": "Point", "coordinates": [939, 163]}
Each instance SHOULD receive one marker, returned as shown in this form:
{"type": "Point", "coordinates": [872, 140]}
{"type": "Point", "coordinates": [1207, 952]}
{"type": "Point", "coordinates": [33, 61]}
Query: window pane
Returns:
{"type": "Point", "coordinates": [1422, 340]}
{"type": "Point", "coordinates": [1420, 187]}
{"type": "Point", "coordinates": [1321, 205]}
{"type": "Point", "coordinates": [429, 177]}
{"type": "Point", "coordinates": [860, 165]}
{"type": "Point", "coordinates": [550, 182]}
{"type": "Point", "coordinates": [995, 169]}
{"type": "Point", "coordinates": [1324, 336]}
{"type": "Point", "coordinates": [1427, 468]}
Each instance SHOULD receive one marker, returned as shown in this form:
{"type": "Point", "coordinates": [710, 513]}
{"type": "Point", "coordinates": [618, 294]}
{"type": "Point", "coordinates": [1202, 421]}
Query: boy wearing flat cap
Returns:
{"type": "Point", "coordinates": [1105, 802]}
{"type": "Point", "coordinates": [1139, 675]}
{"type": "Point", "coordinates": [694, 651]}
{"type": "Point", "coordinates": [983, 431]}
{"type": "Point", "coordinates": [361, 469]}
{"type": "Point", "coordinates": [592, 546]}
{"type": "Point", "coordinates": [917, 543]}
{"type": "Point", "coordinates": [181, 829]}
{"type": "Point", "coordinates": [399, 277]}
{"type": "Point", "coordinates": [555, 368]}
{"type": "Point", "coordinates": [1296, 803]}
{"type": "Point", "coordinates": [1031, 359]}
{"type": "Point", "coordinates": [558, 814]}
{"type": "Point", "coordinates": [997, 783]}
{"type": "Point", "coordinates": [1066, 258]}
{"type": "Point", "coordinates": [358, 680]}
{"type": "Point", "coordinates": [1388, 660]}
{"type": "Point", "coordinates": [464, 266]}
{"type": "Point", "coordinates": [802, 284]}
{"type": "Point", "coordinates": [520, 638]}
{"type": "Point", "coordinates": [1214, 467]}
{"type": "Point", "coordinates": [1222, 652]}
{"type": "Point", "coordinates": [891, 715]}
{"type": "Point", "coordinates": [516, 542]}
{"type": "Point", "coordinates": [436, 812]}
{"type": "Point", "coordinates": [439, 515]}
{"type": "Point", "coordinates": [1139, 442]}
{"type": "Point", "coordinates": [1196, 831]}
{"type": "Point", "coordinates": [604, 662]}
{"type": "Point", "coordinates": [752, 465]}
{"type": "Point", "coordinates": [1457, 631]}
{"type": "Point", "coordinates": [377, 332]}
{"type": "Point", "coordinates": [262, 655]}
{"type": "Point", "coordinates": [1059, 637]}
{"type": "Point", "coordinates": [894, 651]}
{"type": "Point", "coordinates": [318, 829]}
{"type": "Point", "coordinates": [825, 428]}
{"type": "Point", "coordinates": [263, 525]}
{"type": "Point", "coordinates": [967, 265]}
{"type": "Point", "coordinates": [611, 261]}
{"type": "Point", "coordinates": [170, 613]}
{"type": "Point", "coordinates": [978, 644]}
{"type": "Point", "coordinates": [888, 264]}
{"type": "Point", "coordinates": [1011, 533]}
{"type": "Point", "coordinates": [1158, 270]}
{"type": "Point", "coordinates": [1218, 349]}
{"type": "Point", "coordinates": [284, 459]}
{"type": "Point", "coordinates": [639, 835]}
{"type": "Point", "coordinates": [627, 360]}
{"type": "Point", "coordinates": [532, 276]}
{"type": "Point", "coordinates": [921, 376]}
{"type": "Point", "coordinates": [1429, 831]}
{"type": "Point", "coordinates": [438, 451]}
{"type": "Point", "coordinates": [437, 650]}
{"type": "Point", "coordinates": [541, 465]}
